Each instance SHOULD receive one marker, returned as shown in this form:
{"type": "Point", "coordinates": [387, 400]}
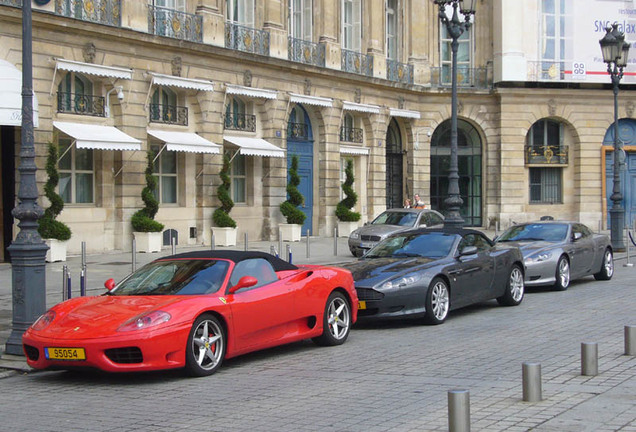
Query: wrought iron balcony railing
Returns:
{"type": "Point", "coordinates": [546, 71]}
{"type": "Point", "coordinates": [549, 155]}
{"type": "Point", "coordinates": [348, 134]}
{"type": "Point", "coordinates": [297, 130]}
{"type": "Point", "coordinates": [466, 77]}
{"type": "Point", "coordinates": [81, 104]}
{"type": "Point", "coordinates": [248, 39]}
{"type": "Point", "coordinates": [399, 72]}
{"type": "Point", "coordinates": [169, 114]}
{"type": "Point", "coordinates": [98, 11]}
{"type": "Point", "coordinates": [240, 122]}
{"type": "Point", "coordinates": [175, 24]}
{"type": "Point", "coordinates": [355, 62]}
{"type": "Point", "coordinates": [302, 51]}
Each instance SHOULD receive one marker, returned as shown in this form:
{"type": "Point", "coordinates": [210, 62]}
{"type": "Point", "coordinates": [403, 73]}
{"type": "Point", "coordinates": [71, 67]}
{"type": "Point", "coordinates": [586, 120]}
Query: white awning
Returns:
{"type": "Point", "coordinates": [94, 69]}
{"type": "Point", "coordinates": [91, 136]}
{"type": "Point", "coordinates": [396, 112]}
{"type": "Point", "coordinates": [351, 106]}
{"type": "Point", "coordinates": [311, 100]}
{"type": "Point", "coordinates": [185, 141]}
{"type": "Point", "coordinates": [11, 96]}
{"type": "Point", "coordinates": [255, 146]}
{"type": "Point", "coordinates": [354, 150]}
{"type": "Point", "coordinates": [250, 91]}
{"type": "Point", "coordinates": [187, 83]}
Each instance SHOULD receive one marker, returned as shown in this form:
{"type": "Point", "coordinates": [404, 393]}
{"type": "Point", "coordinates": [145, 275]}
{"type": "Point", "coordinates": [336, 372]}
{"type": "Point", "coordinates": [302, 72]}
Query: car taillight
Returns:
{"type": "Point", "coordinates": [143, 321]}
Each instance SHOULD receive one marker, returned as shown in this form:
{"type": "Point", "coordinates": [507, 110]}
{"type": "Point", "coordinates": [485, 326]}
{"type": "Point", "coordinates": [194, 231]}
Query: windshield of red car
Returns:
{"type": "Point", "coordinates": [396, 218]}
{"type": "Point", "coordinates": [535, 232]}
{"type": "Point", "coordinates": [175, 277]}
{"type": "Point", "coordinates": [428, 245]}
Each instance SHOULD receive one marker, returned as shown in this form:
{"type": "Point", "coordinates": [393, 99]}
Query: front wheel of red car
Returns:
{"type": "Point", "coordinates": [206, 346]}
{"type": "Point", "coordinates": [336, 322]}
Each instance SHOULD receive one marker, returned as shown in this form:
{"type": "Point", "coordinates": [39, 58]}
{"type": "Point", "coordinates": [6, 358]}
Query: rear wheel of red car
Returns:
{"type": "Point", "coordinates": [336, 322]}
{"type": "Point", "coordinates": [437, 302]}
{"type": "Point", "coordinates": [514, 288]}
{"type": "Point", "coordinates": [206, 346]}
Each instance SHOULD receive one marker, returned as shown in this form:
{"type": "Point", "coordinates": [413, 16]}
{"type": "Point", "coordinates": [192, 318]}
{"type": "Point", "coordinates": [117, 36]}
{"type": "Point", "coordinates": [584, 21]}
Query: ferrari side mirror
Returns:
{"type": "Point", "coordinates": [110, 284]}
{"type": "Point", "coordinates": [244, 282]}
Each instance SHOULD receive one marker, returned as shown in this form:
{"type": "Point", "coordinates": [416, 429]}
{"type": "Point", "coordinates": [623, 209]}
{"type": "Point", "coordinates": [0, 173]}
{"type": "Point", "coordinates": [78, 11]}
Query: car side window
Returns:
{"type": "Point", "coordinates": [578, 229]}
{"type": "Point", "coordinates": [434, 219]}
{"type": "Point", "coordinates": [466, 241]}
{"type": "Point", "coordinates": [481, 243]}
{"type": "Point", "coordinates": [259, 268]}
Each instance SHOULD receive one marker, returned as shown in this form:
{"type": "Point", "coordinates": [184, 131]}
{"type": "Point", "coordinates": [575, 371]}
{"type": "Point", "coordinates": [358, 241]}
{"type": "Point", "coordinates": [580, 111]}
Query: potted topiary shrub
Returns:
{"type": "Point", "coordinates": [225, 230]}
{"type": "Point", "coordinates": [295, 217]}
{"type": "Point", "coordinates": [55, 233]}
{"type": "Point", "coordinates": [146, 229]}
{"type": "Point", "coordinates": [347, 219]}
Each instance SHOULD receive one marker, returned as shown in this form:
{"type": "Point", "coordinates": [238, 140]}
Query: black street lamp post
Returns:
{"type": "Point", "coordinates": [28, 251]}
{"type": "Point", "coordinates": [615, 52]}
{"type": "Point", "coordinates": [455, 28]}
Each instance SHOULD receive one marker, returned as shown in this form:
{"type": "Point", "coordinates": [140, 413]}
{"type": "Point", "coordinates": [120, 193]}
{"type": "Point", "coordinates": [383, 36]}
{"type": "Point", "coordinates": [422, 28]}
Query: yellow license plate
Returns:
{"type": "Point", "coordinates": [362, 304]}
{"type": "Point", "coordinates": [65, 353]}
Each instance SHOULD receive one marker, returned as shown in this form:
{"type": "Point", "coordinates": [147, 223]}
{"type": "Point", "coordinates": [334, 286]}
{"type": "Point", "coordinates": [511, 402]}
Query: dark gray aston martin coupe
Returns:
{"type": "Point", "coordinates": [425, 273]}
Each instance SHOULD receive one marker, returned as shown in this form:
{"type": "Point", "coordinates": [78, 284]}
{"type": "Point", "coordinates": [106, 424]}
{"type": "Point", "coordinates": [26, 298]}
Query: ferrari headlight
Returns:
{"type": "Point", "coordinates": [401, 282]}
{"type": "Point", "coordinates": [540, 257]}
{"type": "Point", "coordinates": [44, 321]}
{"type": "Point", "coordinates": [355, 235]}
{"type": "Point", "coordinates": [143, 321]}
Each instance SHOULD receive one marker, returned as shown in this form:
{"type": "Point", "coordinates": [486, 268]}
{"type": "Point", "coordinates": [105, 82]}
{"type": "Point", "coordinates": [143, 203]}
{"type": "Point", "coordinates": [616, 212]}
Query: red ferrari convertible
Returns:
{"type": "Point", "coordinates": [193, 310]}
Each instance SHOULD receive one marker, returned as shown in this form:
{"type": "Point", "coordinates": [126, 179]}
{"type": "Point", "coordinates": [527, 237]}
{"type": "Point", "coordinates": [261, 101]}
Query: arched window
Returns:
{"type": "Point", "coordinates": [164, 108]}
{"type": "Point", "coordinates": [75, 96]}
{"type": "Point", "coordinates": [236, 116]}
{"type": "Point", "coordinates": [544, 145]}
{"type": "Point", "coordinates": [394, 166]}
{"type": "Point", "coordinates": [349, 132]}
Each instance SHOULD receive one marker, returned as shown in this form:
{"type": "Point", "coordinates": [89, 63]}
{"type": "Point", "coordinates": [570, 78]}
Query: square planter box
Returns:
{"type": "Point", "coordinates": [224, 236]}
{"type": "Point", "coordinates": [346, 228]}
{"type": "Point", "coordinates": [290, 232]}
{"type": "Point", "coordinates": [57, 250]}
{"type": "Point", "coordinates": [148, 241]}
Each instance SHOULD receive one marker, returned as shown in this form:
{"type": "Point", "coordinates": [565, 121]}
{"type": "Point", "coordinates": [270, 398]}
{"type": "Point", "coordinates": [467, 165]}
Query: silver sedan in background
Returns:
{"type": "Point", "coordinates": [389, 222]}
{"type": "Point", "coordinates": [557, 252]}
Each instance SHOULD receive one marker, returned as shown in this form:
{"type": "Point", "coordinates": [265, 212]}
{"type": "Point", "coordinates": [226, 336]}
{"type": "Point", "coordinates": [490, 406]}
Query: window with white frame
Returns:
{"type": "Point", "coordinates": [77, 173]}
{"type": "Point", "coordinates": [351, 24]}
{"type": "Point", "coordinates": [240, 12]}
{"type": "Point", "coordinates": [464, 56]}
{"type": "Point", "coordinates": [238, 179]}
{"type": "Point", "coordinates": [556, 40]}
{"type": "Point", "coordinates": [165, 171]}
{"type": "Point", "coordinates": [391, 29]}
{"type": "Point", "coordinates": [301, 19]}
{"type": "Point", "coordinates": [179, 5]}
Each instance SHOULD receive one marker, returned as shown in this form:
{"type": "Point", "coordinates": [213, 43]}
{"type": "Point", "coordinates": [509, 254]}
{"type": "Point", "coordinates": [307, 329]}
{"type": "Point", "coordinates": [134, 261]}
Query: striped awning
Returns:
{"type": "Point", "coordinates": [354, 150]}
{"type": "Point", "coordinates": [94, 69]}
{"type": "Point", "coordinates": [92, 136]}
{"type": "Point", "coordinates": [311, 100]}
{"type": "Point", "coordinates": [250, 92]}
{"type": "Point", "coordinates": [255, 146]}
{"type": "Point", "coordinates": [396, 112]}
{"type": "Point", "coordinates": [187, 83]}
{"type": "Point", "coordinates": [364, 108]}
{"type": "Point", "coordinates": [185, 141]}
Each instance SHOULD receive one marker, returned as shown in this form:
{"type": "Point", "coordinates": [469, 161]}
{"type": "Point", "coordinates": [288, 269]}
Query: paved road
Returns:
{"type": "Point", "coordinates": [387, 377]}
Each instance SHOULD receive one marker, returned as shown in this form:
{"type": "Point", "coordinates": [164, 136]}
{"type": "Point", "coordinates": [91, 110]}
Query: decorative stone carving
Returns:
{"type": "Point", "coordinates": [176, 66]}
{"type": "Point", "coordinates": [89, 52]}
{"type": "Point", "coordinates": [460, 107]}
{"type": "Point", "coordinates": [401, 102]}
{"type": "Point", "coordinates": [358, 95]}
{"type": "Point", "coordinates": [307, 89]}
{"type": "Point", "coordinates": [552, 107]}
{"type": "Point", "coordinates": [247, 78]}
{"type": "Point", "coordinates": [629, 108]}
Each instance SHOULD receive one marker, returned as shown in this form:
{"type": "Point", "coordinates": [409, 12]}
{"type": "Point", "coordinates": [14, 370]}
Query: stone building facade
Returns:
{"type": "Point", "coordinates": [327, 80]}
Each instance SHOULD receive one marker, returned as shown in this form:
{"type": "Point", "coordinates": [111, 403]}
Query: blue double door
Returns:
{"type": "Point", "coordinates": [300, 143]}
{"type": "Point", "coordinates": [627, 165]}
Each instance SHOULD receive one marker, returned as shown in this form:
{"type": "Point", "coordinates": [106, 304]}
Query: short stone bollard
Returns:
{"type": "Point", "coordinates": [589, 359]}
{"type": "Point", "coordinates": [531, 382]}
{"type": "Point", "coordinates": [458, 411]}
{"type": "Point", "coordinates": [630, 340]}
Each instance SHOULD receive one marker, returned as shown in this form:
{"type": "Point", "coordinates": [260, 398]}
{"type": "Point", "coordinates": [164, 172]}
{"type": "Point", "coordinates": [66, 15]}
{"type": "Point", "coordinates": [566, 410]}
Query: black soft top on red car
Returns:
{"type": "Point", "coordinates": [235, 256]}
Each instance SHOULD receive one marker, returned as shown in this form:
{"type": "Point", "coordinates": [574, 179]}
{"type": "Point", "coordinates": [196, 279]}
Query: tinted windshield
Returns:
{"type": "Point", "coordinates": [395, 218]}
{"type": "Point", "coordinates": [535, 232]}
{"type": "Point", "coordinates": [178, 277]}
{"type": "Point", "coordinates": [429, 245]}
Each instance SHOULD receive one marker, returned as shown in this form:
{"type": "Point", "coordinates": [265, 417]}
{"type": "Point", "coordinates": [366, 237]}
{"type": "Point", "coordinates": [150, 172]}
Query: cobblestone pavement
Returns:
{"type": "Point", "coordinates": [387, 377]}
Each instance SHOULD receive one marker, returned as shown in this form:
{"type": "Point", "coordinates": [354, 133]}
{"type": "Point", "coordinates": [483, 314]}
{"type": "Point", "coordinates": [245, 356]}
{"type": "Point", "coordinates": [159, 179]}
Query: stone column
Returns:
{"type": "Point", "coordinates": [374, 21]}
{"type": "Point", "coordinates": [328, 30]}
{"type": "Point", "coordinates": [423, 38]}
{"type": "Point", "coordinates": [275, 15]}
{"type": "Point", "coordinates": [213, 22]}
{"type": "Point", "coordinates": [134, 15]}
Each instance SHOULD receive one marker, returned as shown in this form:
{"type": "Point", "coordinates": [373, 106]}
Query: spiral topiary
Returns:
{"type": "Point", "coordinates": [289, 208]}
{"type": "Point", "coordinates": [221, 216]}
{"type": "Point", "coordinates": [143, 220]}
{"type": "Point", "coordinates": [48, 226]}
{"type": "Point", "coordinates": [343, 209]}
